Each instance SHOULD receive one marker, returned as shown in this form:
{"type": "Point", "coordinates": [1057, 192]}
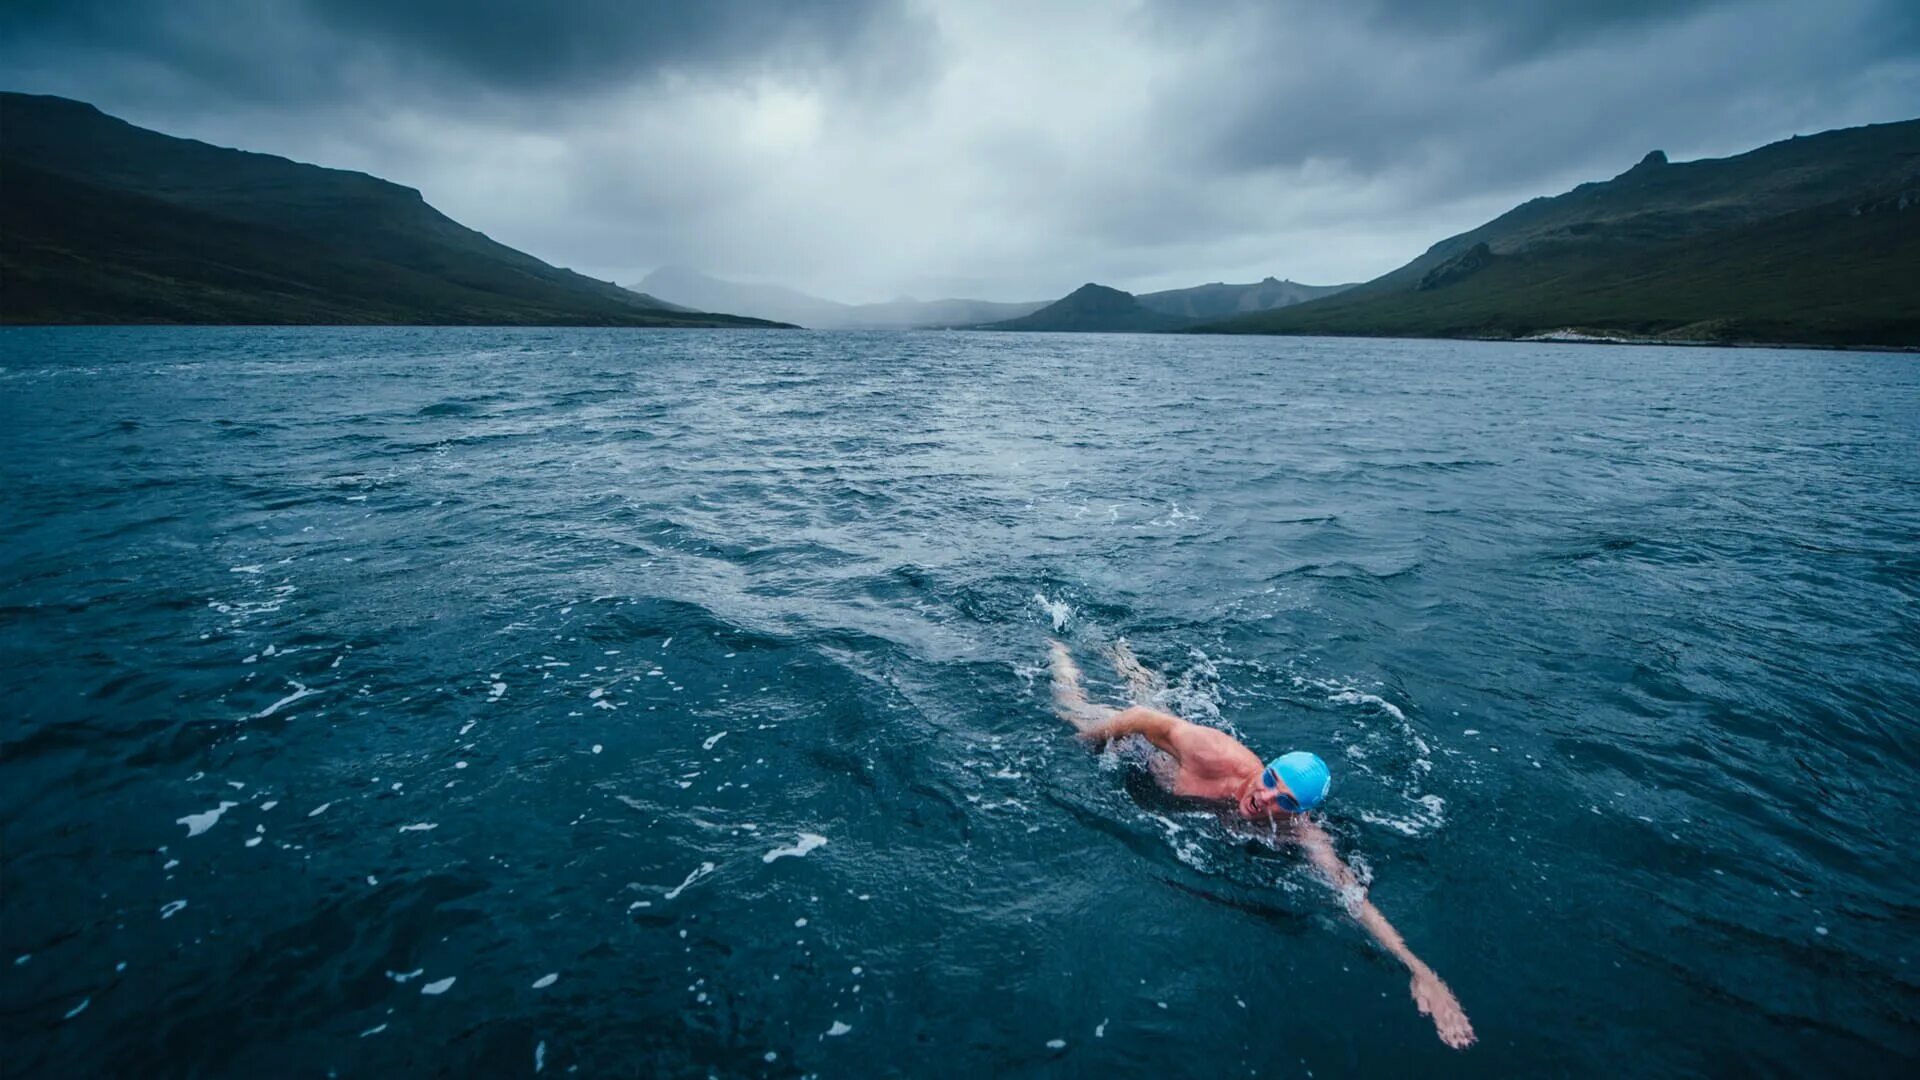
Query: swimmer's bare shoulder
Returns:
{"type": "Point", "coordinates": [1207, 757]}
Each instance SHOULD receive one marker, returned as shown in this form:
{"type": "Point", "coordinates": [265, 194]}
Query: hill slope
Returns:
{"type": "Point", "coordinates": [1094, 308]}
{"type": "Point", "coordinates": [1812, 240]}
{"type": "Point", "coordinates": [105, 222]}
{"type": "Point", "coordinates": [1219, 300]}
{"type": "Point", "coordinates": [685, 286]}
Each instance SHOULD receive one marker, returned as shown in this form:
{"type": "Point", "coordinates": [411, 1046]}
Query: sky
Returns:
{"type": "Point", "coordinates": [867, 149]}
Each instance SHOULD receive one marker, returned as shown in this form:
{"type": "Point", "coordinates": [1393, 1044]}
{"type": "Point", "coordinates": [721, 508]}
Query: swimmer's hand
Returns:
{"type": "Point", "coordinates": [1435, 1000]}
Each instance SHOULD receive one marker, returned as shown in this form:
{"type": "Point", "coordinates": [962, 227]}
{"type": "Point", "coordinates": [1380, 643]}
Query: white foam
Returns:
{"type": "Point", "coordinates": [299, 691]}
{"type": "Point", "coordinates": [838, 1029]}
{"type": "Point", "coordinates": [498, 691]}
{"type": "Point", "coordinates": [269, 804]}
{"type": "Point", "coordinates": [1058, 610]}
{"type": "Point", "coordinates": [318, 810]}
{"type": "Point", "coordinates": [253, 841]}
{"type": "Point", "coordinates": [84, 1002]}
{"type": "Point", "coordinates": [254, 569]}
{"type": "Point", "coordinates": [172, 908]}
{"type": "Point", "coordinates": [1357, 697]}
{"type": "Point", "coordinates": [421, 826]}
{"type": "Point", "coordinates": [1100, 1029]}
{"type": "Point", "coordinates": [435, 989]}
{"type": "Point", "coordinates": [403, 976]}
{"type": "Point", "coordinates": [545, 981]}
{"type": "Point", "coordinates": [703, 870]}
{"type": "Point", "coordinates": [199, 823]}
{"type": "Point", "coordinates": [1056, 1044]}
{"type": "Point", "coordinates": [709, 742]}
{"type": "Point", "coordinates": [540, 1056]}
{"type": "Point", "coordinates": [375, 1030]}
{"type": "Point", "coordinates": [807, 842]}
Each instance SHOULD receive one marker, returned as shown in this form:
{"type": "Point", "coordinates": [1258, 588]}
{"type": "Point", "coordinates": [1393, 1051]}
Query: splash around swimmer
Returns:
{"type": "Point", "coordinates": [1207, 763]}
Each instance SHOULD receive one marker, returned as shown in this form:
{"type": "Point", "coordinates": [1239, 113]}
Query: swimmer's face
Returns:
{"type": "Point", "coordinates": [1264, 801]}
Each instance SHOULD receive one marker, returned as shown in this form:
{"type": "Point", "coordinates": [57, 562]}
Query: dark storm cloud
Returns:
{"type": "Point", "coordinates": [1006, 148]}
{"type": "Point", "coordinates": [288, 50]}
{"type": "Point", "coordinates": [1504, 91]}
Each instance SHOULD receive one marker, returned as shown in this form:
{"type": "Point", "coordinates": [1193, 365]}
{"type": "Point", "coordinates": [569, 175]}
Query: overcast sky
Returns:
{"type": "Point", "coordinates": [871, 148]}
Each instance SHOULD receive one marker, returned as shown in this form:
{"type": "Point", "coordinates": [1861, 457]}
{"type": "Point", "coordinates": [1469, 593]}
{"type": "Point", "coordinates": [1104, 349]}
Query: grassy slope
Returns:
{"type": "Point", "coordinates": [1094, 308]}
{"type": "Point", "coordinates": [75, 253]}
{"type": "Point", "coordinates": [106, 222]}
{"type": "Point", "coordinates": [1220, 301]}
{"type": "Point", "coordinates": [1761, 247]}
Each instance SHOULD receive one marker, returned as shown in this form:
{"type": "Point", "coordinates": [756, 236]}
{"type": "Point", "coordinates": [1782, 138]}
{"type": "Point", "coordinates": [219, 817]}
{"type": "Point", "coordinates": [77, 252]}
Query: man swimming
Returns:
{"type": "Point", "coordinates": [1206, 763]}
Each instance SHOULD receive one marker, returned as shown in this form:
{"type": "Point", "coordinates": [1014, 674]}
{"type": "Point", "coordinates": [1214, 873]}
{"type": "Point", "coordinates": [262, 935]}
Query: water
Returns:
{"type": "Point", "coordinates": [499, 702]}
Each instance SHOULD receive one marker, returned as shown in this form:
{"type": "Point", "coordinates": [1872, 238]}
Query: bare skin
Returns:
{"type": "Point", "coordinates": [1210, 764]}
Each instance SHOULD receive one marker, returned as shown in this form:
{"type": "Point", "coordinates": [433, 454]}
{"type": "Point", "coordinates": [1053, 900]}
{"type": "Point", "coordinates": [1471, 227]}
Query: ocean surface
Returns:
{"type": "Point", "coordinates": [449, 702]}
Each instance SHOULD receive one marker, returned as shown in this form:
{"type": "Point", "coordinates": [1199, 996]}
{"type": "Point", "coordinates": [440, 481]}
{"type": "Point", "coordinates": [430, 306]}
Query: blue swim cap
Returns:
{"type": "Point", "coordinates": [1303, 773]}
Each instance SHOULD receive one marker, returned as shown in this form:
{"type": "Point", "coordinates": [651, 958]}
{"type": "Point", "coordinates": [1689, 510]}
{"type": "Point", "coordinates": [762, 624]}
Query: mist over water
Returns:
{"type": "Point", "coordinates": [492, 702]}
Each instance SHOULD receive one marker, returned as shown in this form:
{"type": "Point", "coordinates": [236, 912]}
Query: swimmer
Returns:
{"type": "Point", "coordinates": [1206, 763]}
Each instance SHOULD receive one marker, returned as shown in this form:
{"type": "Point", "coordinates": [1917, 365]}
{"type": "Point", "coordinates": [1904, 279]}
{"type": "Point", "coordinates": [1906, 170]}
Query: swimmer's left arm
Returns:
{"type": "Point", "coordinates": [1430, 994]}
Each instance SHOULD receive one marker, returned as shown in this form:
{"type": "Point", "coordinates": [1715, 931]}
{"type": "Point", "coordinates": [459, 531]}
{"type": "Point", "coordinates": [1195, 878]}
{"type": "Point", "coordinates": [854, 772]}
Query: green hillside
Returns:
{"type": "Point", "coordinates": [104, 222]}
{"type": "Point", "coordinates": [1220, 300]}
{"type": "Point", "coordinates": [1813, 240]}
{"type": "Point", "coordinates": [1094, 308]}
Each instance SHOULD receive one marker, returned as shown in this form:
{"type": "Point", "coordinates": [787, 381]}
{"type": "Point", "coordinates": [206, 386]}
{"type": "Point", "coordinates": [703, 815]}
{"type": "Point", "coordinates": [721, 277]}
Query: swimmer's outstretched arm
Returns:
{"type": "Point", "coordinates": [1430, 994]}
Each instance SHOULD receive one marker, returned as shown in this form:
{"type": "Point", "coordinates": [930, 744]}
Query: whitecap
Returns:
{"type": "Point", "coordinates": [703, 870]}
{"type": "Point", "coordinates": [199, 823]}
{"type": "Point", "coordinates": [435, 989]}
{"type": "Point", "coordinates": [299, 691]}
{"type": "Point", "coordinates": [806, 842]}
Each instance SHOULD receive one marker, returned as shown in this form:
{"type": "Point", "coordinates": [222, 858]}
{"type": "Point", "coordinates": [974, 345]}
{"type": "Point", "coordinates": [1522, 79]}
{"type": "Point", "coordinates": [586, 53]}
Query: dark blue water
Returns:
{"type": "Point", "coordinates": [340, 667]}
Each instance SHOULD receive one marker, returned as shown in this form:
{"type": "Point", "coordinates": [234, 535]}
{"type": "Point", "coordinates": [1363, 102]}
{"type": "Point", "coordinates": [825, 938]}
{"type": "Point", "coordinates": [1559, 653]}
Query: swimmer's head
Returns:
{"type": "Point", "coordinates": [1296, 782]}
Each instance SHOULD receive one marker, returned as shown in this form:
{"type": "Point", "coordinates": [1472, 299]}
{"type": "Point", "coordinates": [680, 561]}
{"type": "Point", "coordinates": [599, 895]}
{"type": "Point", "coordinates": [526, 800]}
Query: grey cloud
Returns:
{"type": "Point", "coordinates": [314, 51]}
{"type": "Point", "coordinates": [1007, 149]}
{"type": "Point", "coordinates": [1502, 91]}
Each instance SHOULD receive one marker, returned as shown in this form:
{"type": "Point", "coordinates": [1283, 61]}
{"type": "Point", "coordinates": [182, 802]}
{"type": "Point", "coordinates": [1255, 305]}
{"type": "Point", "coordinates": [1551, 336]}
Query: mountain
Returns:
{"type": "Point", "coordinates": [679, 285]}
{"type": "Point", "coordinates": [105, 222]}
{"type": "Point", "coordinates": [1095, 308]}
{"type": "Point", "coordinates": [685, 286]}
{"type": "Point", "coordinates": [1219, 301]}
{"type": "Point", "coordinates": [1813, 240]}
